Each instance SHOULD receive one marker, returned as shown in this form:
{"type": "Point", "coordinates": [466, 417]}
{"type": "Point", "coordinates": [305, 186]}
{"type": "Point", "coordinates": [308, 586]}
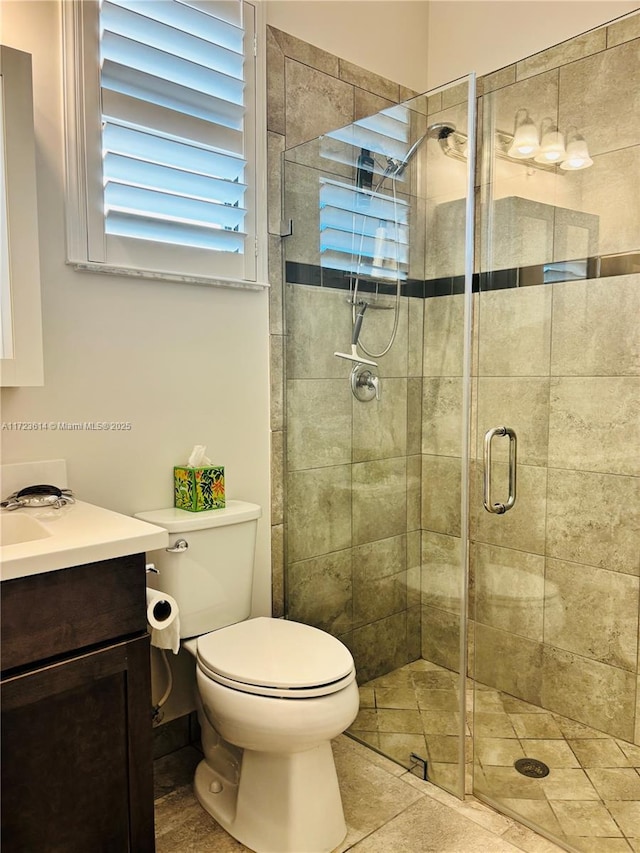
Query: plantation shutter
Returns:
{"type": "Point", "coordinates": [364, 232]}
{"type": "Point", "coordinates": [168, 122]}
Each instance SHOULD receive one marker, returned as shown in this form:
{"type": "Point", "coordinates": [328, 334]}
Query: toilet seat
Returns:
{"type": "Point", "coordinates": [276, 657]}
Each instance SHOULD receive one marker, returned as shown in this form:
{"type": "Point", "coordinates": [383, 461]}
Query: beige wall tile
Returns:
{"type": "Point", "coordinates": [306, 53]}
{"type": "Point", "coordinates": [498, 79]}
{"type": "Point", "coordinates": [612, 103]}
{"type": "Point", "coordinates": [442, 415]}
{"type": "Point", "coordinates": [275, 147]}
{"type": "Point", "coordinates": [276, 378]}
{"type": "Point", "coordinates": [377, 329]}
{"type": "Point", "coordinates": [318, 324]}
{"type": "Point", "coordinates": [594, 424]}
{"type": "Point", "coordinates": [594, 519]}
{"type": "Point", "coordinates": [380, 426]}
{"type": "Point", "coordinates": [509, 590]}
{"type": "Point", "coordinates": [441, 494]}
{"type": "Point", "coordinates": [275, 85]}
{"type": "Point", "coordinates": [276, 290]}
{"type": "Point", "coordinates": [316, 102]}
{"type": "Point", "coordinates": [443, 336]}
{"type": "Point", "coordinates": [515, 332]}
{"type": "Point", "coordinates": [379, 499]}
{"type": "Point", "coordinates": [368, 80]}
{"type": "Point", "coordinates": [319, 511]}
{"type": "Point", "coordinates": [301, 204]}
{"type": "Point", "coordinates": [625, 30]}
{"type": "Point", "coordinates": [320, 592]}
{"type": "Point", "coordinates": [368, 104]}
{"type": "Point", "coordinates": [379, 579]}
{"type": "Point", "coordinates": [442, 572]}
{"type": "Point", "coordinates": [277, 476]}
{"type": "Point", "coordinates": [415, 336]}
{"type": "Point", "coordinates": [588, 691]}
{"type": "Point", "coordinates": [414, 568]}
{"type": "Point", "coordinates": [319, 423]}
{"type": "Point", "coordinates": [508, 662]}
{"type": "Point", "coordinates": [380, 647]}
{"type": "Point", "coordinates": [414, 415]}
{"type": "Point", "coordinates": [561, 54]}
{"type": "Point", "coordinates": [277, 570]}
{"type": "Point", "coordinates": [599, 613]}
{"type": "Point", "coordinates": [441, 637]}
{"type": "Point", "coordinates": [595, 327]}
{"type": "Point", "coordinates": [523, 405]}
{"type": "Point", "coordinates": [606, 189]}
{"type": "Point", "coordinates": [414, 492]}
{"type": "Point", "coordinates": [523, 526]}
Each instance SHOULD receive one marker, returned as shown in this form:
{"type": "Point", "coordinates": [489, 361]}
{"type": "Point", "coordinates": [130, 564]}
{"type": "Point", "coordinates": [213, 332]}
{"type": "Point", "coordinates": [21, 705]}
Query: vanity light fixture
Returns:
{"type": "Point", "coordinates": [552, 150]}
{"type": "Point", "coordinates": [525, 143]}
{"type": "Point", "coordinates": [577, 155]}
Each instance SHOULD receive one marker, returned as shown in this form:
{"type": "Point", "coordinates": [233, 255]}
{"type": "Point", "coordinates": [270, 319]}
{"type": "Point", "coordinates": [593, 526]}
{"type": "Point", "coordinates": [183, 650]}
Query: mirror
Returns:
{"type": "Point", "coordinates": [20, 312]}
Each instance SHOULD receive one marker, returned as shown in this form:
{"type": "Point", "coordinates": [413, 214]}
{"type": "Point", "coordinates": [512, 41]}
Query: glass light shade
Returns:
{"type": "Point", "coordinates": [577, 155]}
{"type": "Point", "coordinates": [525, 141]}
{"type": "Point", "coordinates": [552, 148]}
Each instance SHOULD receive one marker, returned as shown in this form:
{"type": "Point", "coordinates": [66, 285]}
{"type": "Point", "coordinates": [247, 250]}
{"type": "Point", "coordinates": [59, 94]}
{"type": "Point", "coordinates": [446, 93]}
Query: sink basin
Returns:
{"type": "Point", "coordinates": [42, 539]}
{"type": "Point", "coordinates": [18, 528]}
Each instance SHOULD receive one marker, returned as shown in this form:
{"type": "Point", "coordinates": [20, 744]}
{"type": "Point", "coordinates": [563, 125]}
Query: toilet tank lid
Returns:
{"type": "Point", "coordinates": [181, 520]}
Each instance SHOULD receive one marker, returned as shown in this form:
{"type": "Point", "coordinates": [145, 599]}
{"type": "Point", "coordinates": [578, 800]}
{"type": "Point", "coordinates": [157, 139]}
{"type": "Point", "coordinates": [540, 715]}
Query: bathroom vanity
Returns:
{"type": "Point", "coordinates": [77, 771]}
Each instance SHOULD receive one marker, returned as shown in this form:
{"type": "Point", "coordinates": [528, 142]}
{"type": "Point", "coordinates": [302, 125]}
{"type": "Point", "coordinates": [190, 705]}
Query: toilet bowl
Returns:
{"type": "Point", "coordinates": [279, 691]}
{"type": "Point", "coordinates": [271, 693]}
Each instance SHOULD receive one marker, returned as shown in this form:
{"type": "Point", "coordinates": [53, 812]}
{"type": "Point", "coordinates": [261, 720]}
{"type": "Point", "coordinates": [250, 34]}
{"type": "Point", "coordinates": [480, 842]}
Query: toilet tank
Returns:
{"type": "Point", "coordinates": [212, 578]}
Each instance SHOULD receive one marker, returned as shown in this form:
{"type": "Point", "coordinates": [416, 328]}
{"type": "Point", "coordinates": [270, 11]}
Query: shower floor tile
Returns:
{"type": "Point", "coordinates": [590, 801]}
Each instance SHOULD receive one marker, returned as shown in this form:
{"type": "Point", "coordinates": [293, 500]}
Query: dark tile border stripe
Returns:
{"type": "Point", "coordinates": [605, 266]}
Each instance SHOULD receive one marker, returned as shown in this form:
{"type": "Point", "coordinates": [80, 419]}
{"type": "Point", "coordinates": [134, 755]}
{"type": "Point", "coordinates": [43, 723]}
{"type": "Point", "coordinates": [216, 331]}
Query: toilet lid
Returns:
{"type": "Point", "coordinates": [275, 653]}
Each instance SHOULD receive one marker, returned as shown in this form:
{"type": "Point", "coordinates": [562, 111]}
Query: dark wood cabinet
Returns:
{"type": "Point", "coordinates": [77, 771]}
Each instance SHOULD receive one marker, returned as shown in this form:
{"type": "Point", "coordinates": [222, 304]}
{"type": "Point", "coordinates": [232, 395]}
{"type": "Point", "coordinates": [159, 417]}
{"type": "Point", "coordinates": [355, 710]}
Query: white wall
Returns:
{"type": "Point", "coordinates": [184, 364]}
{"type": "Point", "coordinates": [388, 37]}
{"type": "Point", "coordinates": [484, 35]}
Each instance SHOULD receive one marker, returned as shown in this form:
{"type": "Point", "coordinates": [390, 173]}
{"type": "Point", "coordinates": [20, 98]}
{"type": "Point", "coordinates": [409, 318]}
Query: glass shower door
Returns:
{"type": "Point", "coordinates": [376, 476]}
{"type": "Point", "coordinates": [554, 572]}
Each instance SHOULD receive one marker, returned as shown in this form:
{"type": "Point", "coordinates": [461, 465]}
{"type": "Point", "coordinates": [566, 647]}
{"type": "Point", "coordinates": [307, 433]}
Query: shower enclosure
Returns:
{"type": "Point", "coordinates": [464, 511]}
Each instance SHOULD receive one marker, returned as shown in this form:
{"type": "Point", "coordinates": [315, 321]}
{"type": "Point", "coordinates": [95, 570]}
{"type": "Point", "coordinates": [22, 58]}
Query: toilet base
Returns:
{"type": "Point", "coordinates": [283, 803]}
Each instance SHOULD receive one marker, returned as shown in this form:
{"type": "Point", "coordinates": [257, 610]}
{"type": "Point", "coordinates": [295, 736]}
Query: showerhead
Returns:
{"type": "Point", "coordinates": [396, 167]}
{"type": "Point", "coordinates": [441, 130]}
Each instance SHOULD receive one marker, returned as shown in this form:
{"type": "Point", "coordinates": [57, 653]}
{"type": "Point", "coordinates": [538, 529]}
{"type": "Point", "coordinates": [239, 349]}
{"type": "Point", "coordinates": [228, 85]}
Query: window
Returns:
{"type": "Point", "coordinates": [362, 231]}
{"type": "Point", "coordinates": [161, 138]}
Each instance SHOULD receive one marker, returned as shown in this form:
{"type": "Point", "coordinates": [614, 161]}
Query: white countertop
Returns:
{"type": "Point", "coordinates": [73, 535]}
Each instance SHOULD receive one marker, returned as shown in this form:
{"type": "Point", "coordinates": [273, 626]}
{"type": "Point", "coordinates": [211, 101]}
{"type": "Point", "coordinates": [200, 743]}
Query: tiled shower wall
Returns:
{"type": "Point", "coordinates": [554, 582]}
{"type": "Point", "coordinates": [352, 471]}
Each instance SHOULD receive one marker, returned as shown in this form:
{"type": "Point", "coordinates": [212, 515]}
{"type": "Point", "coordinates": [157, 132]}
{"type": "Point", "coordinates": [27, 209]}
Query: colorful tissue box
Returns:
{"type": "Point", "coordinates": [198, 489]}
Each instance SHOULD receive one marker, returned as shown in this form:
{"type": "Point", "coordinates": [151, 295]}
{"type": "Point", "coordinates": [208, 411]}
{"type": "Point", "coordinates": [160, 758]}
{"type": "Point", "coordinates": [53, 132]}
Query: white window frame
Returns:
{"type": "Point", "coordinates": [88, 247]}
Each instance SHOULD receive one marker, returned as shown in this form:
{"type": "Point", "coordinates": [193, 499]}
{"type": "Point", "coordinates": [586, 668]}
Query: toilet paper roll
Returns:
{"type": "Point", "coordinates": [164, 620]}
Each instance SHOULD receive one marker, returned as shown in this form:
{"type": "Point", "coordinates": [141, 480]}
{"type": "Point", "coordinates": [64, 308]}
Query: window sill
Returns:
{"type": "Point", "coordinates": [155, 275]}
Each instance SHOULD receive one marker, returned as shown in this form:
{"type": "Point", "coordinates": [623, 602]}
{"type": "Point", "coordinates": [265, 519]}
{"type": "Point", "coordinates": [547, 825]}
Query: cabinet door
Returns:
{"type": "Point", "coordinates": [76, 755]}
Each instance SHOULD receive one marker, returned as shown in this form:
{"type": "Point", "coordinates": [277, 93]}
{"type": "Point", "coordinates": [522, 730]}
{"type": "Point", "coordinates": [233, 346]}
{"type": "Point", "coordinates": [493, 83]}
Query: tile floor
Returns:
{"type": "Point", "coordinates": [591, 798]}
{"type": "Point", "coordinates": [387, 810]}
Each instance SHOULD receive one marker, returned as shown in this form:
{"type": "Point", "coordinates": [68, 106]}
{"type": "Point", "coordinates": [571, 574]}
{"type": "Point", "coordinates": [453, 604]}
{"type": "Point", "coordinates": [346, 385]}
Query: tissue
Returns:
{"type": "Point", "coordinates": [164, 620]}
{"type": "Point", "coordinates": [199, 485]}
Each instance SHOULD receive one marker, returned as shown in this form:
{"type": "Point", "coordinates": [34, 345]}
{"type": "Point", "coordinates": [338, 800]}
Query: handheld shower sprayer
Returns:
{"type": "Point", "coordinates": [353, 355]}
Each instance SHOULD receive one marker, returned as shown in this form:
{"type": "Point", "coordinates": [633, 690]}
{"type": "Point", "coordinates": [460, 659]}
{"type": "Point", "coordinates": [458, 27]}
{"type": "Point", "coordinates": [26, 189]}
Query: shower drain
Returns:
{"type": "Point", "coordinates": [531, 767]}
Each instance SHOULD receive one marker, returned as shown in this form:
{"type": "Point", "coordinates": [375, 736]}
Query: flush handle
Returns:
{"type": "Point", "coordinates": [489, 505]}
{"type": "Point", "coordinates": [178, 547]}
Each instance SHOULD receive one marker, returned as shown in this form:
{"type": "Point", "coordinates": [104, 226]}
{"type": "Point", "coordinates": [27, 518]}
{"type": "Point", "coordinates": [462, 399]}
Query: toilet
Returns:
{"type": "Point", "coordinates": [271, 693]}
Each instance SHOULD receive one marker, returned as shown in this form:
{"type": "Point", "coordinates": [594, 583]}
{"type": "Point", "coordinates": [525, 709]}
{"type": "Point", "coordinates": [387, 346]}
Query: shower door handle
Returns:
{"type": "Point", "coordinates": [496, 507]}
